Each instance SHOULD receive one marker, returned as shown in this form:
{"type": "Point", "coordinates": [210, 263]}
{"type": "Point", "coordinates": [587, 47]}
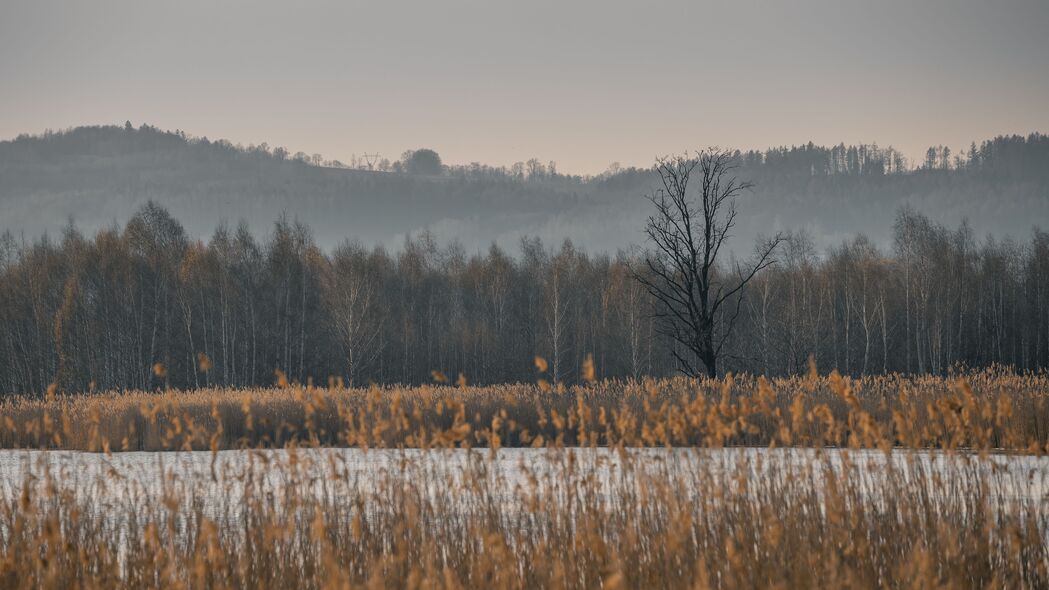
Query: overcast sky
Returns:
{"type": "Point", "coordinates": [581, 83]}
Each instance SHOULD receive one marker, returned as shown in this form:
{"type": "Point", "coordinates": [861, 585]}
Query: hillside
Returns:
{"type": "Point", "coordinates": [98, 176]}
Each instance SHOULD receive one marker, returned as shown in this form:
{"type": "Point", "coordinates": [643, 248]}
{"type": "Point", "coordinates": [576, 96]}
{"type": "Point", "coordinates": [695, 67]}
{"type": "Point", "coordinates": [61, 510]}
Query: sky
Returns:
{"type": "Point", "coordinates": [582, 83]}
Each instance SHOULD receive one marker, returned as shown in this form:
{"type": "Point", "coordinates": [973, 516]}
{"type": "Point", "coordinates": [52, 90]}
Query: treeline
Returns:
{"type": "Point", "coordinates": [144, 306]}
{"type": "Point", "coordinates": [1016, 156]}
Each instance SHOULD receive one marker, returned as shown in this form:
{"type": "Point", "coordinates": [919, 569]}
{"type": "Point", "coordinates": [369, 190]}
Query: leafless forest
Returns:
{"type": "Point", "coordinates": [98, 312]}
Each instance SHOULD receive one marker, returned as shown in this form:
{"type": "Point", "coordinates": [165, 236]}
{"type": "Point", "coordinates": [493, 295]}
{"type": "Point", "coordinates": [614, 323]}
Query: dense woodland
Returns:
{"type": "Point", "coordinates": [102, 311]}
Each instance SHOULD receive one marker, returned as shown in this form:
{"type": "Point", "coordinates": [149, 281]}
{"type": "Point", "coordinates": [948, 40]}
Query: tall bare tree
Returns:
{"type": "Point", "coordinates": [352, 295]}
{"type": "Point", "coordinates": [687, 233]}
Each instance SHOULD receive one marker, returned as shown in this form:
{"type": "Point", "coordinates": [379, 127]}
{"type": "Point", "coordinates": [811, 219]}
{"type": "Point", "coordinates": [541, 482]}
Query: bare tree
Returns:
{"type": "Point", "coordinates": [681, 271]}
{"type": "Point", "coordinates": [352, 294]}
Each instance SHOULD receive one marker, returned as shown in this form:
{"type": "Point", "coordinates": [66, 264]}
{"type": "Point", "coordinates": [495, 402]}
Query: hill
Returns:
{"type": "Point", "coordinates": [98, 176]}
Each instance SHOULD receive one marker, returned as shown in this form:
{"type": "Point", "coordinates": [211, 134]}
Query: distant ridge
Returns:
{"type": "Point", "coordinates": [97, 175]}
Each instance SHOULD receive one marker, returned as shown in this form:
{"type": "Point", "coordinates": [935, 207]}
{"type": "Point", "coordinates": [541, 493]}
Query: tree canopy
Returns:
{"type": "Point", "coordinates": [422, 161]}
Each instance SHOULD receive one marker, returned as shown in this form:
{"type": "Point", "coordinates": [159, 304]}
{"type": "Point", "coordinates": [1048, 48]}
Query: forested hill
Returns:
{"type": "Point", "coordinates": [98, 176]}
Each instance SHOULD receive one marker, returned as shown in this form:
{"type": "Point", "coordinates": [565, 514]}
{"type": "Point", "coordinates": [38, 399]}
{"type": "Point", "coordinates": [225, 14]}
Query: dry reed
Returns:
{"type": "Point", "coordinates": [607, 514]}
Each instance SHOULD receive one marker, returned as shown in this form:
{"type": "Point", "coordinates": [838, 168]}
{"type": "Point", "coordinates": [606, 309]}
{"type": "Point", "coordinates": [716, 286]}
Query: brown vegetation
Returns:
{"type": "Point", "coordinates": [983, 410]}
{"type": "Point", "coordinates": [567, 517]}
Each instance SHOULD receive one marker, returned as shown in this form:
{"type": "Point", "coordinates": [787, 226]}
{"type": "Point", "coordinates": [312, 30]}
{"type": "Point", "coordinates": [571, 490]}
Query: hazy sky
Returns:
{"type": "Point", "coordinates": [581, 83]}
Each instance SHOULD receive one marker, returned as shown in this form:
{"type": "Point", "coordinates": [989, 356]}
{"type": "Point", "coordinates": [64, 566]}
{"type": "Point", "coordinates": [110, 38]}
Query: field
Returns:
{"type": "Point", "coordinates": [817, 481]}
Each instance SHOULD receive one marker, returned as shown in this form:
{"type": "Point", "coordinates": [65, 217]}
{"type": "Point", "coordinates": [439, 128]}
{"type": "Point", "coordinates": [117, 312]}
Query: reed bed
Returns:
{"type": "Point", "coordinates": [992, 409]}
{"type": "Point", "coordinates": [301, 519]}
{"type": "Point", "coordinates": [614, 485]}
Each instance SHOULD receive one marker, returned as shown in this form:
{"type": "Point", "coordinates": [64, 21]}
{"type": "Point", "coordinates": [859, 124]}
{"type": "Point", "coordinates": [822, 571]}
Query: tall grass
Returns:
{"type": "Point", "coordinates": [912, 498]}
{"type": "Point", "coordinates": [982, 410]}
{"type": "Point", "coordinates": [565, 520]}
